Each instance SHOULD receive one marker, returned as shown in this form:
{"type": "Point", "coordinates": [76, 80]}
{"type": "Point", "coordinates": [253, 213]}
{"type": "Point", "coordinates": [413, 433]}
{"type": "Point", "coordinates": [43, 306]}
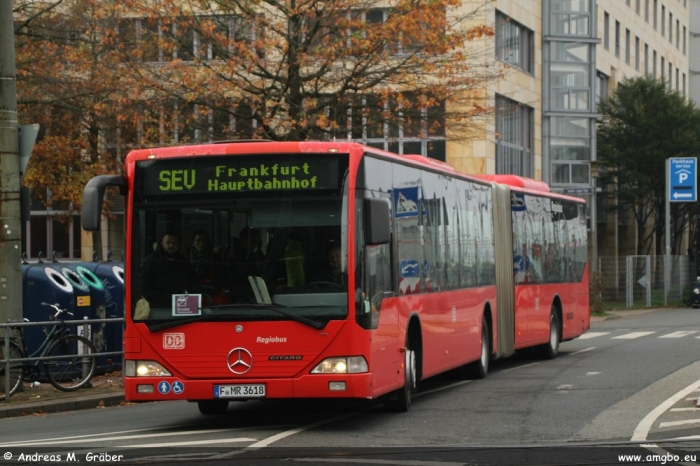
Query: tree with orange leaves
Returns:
{"type": "Point", "coordinates": [153, 72]}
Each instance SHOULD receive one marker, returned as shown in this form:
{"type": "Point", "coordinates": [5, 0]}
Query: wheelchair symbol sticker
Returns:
{"type": "Point", "coordinates": [164, 387]}
{"type": "Point", "coordinates": [178, 387]}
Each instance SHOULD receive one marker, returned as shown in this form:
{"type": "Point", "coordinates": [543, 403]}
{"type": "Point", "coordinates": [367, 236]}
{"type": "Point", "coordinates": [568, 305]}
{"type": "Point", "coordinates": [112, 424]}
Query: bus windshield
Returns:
{"type": "Point", "coordinates": [209, 243]}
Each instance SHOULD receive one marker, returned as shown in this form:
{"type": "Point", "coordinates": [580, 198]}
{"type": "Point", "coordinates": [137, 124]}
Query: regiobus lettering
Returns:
{"type": "Point", "coordinates": [335, 270]}
{"type": "Point", "coordinates": [271, 340]}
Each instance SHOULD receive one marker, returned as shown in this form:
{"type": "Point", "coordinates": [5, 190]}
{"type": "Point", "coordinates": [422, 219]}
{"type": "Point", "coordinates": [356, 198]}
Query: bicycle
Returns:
{"type": "Point", "coordinates": [73, 368]}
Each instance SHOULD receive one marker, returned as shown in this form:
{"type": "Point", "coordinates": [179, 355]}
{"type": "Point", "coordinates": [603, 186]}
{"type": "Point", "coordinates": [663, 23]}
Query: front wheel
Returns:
{"type": "Point", "coordinates": [76, 366]}
{"type": "Point", "coordinates": [400, 400]}
{"type": "Point", "coordinates": [15, 374]}
{"type": "Point", "coordinates": [550, 350]}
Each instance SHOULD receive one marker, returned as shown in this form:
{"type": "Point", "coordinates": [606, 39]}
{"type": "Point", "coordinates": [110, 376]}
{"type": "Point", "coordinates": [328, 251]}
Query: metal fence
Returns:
{"type": "Point", "coordinates": [7, 335]}
{"type": "Point", "coordinates": [643, 281]}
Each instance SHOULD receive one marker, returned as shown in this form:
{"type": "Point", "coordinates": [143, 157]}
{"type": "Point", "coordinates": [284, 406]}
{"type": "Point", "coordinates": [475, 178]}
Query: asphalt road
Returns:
{"type": "Point", "coordinates": [629, 386]}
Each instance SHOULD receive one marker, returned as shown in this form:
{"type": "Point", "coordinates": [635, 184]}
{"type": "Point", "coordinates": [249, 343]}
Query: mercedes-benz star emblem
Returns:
{"type": "Point", "coordinates": [239, 361]}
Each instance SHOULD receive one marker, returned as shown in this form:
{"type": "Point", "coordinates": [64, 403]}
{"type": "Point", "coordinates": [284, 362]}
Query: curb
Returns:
{"type": "Point", "coordinates": [8, 410]}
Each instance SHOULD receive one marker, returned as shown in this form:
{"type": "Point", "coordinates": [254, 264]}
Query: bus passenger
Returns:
{"type": "Point", "coordinates": [248, 261]}
{"type": "Point", "coordinates": [332, 272]}
{"type": "Point", "coordinates": [294, 258]}
{"type": "Point", "coordinates": [166, 272]}
{"type": "Point", "coordinates": [202, 256]}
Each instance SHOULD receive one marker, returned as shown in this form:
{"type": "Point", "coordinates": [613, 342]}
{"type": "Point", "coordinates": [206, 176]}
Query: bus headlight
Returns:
{"type": "Point", "coordinates": [346, 365]}
{"type": "Point", "coordinates": [145, 369]}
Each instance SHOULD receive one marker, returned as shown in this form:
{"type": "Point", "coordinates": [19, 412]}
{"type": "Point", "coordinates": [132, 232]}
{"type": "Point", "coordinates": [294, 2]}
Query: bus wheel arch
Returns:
{"type": "Point", "coordinates": [550, 350]}
{"type": "Point", "coordinates": [479, 369]}
{"type": "Point", "coordinates": [400, 400]}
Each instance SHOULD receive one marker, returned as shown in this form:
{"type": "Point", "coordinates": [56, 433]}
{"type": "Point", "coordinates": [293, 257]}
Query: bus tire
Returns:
{"type": "Point", "coordinates": [550, 350]}
{"type": "Point", "coordinates": [400, 400]}
{"type": "Point", "coordinates": [479, 368]}
{"type": "Point", "coordinates": [213, 407]}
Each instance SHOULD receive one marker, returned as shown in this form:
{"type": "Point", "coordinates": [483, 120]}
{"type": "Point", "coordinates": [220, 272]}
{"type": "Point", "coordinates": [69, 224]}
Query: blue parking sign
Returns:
{"type": "Point", "coordinates": [682, 180]}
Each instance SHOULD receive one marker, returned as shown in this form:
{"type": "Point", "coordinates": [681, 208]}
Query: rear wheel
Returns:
{"type": "Point", "coordinates": [213, 407]}
{"type": "Point", "coordinates": [550, 350]}
{"type": "Point", "coordinates": [15, 374]}
{"type": "Point", "coordinates": [76, 369]}
{"type": "Point", "coordinates": [479, 368]}
{"type": "Point", "coordinates": [400, 400]}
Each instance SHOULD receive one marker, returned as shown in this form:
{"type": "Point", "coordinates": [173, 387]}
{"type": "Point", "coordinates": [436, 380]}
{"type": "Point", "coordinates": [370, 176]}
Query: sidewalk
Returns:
{"type": "Point", "coordinates": [622, 313]}
{"type": "Point", "coordinates": [106, 390]}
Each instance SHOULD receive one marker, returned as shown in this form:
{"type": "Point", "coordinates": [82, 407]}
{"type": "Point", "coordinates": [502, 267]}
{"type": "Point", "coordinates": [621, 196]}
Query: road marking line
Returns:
{"type": "Point", "coordinates": [588, 335]}
{"type": "Point", "coordinates": [456, 384]}
{"type": "Point", "coordinates": [520, 367]}
{"type": "Point", "coordinates": [105, 438]}
{"type": "Point", "coordinates": [679, 334]}
{"type": "Point", "coordinates": [679, 423]}
{"type": "Point", "coordinates": [685, 409]}
{"type": "Point", "coordinates": [266, 442]}
{"type": "Point", "coordinates": [584, 350]}
{"type": "Point", "coordinates": [193, 442]}
{"type": "Point", "coordinates": [632, 336]}
{"type": "Point", "coordinates": [645, 425]}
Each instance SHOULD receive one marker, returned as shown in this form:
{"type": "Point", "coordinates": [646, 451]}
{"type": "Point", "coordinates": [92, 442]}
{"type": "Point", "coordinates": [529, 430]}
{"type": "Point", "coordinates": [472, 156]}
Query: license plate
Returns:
{"type": "Point", "coordinates": [239, 391]}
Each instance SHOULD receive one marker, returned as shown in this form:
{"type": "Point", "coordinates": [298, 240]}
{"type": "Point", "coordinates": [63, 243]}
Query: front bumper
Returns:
{"type": "Point", "coordinates": [307, 386]}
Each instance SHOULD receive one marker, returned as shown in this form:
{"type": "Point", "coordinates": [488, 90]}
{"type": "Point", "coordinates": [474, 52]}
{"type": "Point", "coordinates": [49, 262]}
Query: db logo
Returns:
{"type": "Point", "coordinates": [173, 340]}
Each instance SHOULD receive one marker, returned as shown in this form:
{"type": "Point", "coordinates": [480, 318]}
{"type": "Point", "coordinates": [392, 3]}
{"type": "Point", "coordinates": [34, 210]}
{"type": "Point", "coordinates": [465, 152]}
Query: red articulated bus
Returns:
{"type": "Point", "coordinates": [334, 270]}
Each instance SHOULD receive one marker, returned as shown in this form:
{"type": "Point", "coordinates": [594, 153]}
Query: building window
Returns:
{"type": "Point", "coordinates": [601, 87]}
{"type": "Point", "coordinates": [637, 6]}
{"type": "Point", "coordinates": [663, 21]}
{"type": "Point", "coordinates": [628, 51]}
{"type": "Point", "coordinates": [670, 76]}
{"type": "Point", "coordinates": [656, 9]}
{"type": "Point", "coordinates": [683, 84]}
{"type": "Point", "coordinates": [684, 34]}
{"type": "Point", "coordinates": [636, 53]}
{"type": "Point", "coordinates": [417, 130]}
{"type": "Point", "coordinates": [569, 76]}
{"type": "Point", "coordinates": [617, 38]}
{"type": "Point", "coordinates": [662, 70]}
{"type": "Point", "coordinates": [570, 147]}
{"type": "Point", "coordinates": [646, 58]}
{"type": "Point", "coordinates": [514, 126]}
{"type": "Point", "coordinates": [514, 43]}
{"type": "Point", "coordinates": [670, 27]}
{"type": "Point", "coordinates": [570, 17]}
{"type": "Point", "coordinates": [678, 34]}
{"type": "Point", "coordinates": [646, 10]}
{"type": "Point", "coordinates": [654, 63]}
{"type": "Point", "coordinates": [678, 72]}
{"type": "Point", "coordinates": [606, 31]}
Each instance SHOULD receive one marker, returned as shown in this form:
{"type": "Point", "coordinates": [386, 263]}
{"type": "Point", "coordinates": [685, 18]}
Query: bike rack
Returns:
{"type": "Point", "coordinates": [6, 362]}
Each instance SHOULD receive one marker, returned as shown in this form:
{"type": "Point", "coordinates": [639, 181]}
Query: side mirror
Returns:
{"type": "Point", "coordinates": [93, 195]}
{"type": "Point", "coordinates": [377, 221]}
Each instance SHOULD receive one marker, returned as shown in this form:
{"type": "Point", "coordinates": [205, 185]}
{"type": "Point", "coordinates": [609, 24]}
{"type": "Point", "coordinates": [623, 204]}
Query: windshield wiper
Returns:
{"type": "Point", "coordinates": [275, 308]}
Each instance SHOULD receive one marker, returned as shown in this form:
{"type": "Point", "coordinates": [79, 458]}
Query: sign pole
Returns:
{"type": "Point", "coordinates": [667, 256]}
{"type": "Point", "coordinates": [681, 186]}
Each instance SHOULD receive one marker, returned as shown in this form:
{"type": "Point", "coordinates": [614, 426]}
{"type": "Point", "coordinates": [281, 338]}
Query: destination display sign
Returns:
{"type": "Point", "coordinates": [237, 174]}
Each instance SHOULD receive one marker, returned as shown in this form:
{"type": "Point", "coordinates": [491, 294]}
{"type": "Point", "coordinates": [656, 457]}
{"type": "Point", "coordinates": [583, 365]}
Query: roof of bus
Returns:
{"type": "Point", "coordinates": [516, 181]}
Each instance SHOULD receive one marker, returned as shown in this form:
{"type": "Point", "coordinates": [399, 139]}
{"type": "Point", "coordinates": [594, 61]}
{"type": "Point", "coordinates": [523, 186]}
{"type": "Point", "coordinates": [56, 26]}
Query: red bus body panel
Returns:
{"type": "Point", "coordinates": [451, 321]}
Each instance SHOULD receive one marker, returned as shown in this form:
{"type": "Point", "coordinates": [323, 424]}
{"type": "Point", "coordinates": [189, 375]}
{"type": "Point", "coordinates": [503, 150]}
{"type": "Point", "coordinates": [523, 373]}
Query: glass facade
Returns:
{"type": "Point", "coordinates": [568, 118]}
